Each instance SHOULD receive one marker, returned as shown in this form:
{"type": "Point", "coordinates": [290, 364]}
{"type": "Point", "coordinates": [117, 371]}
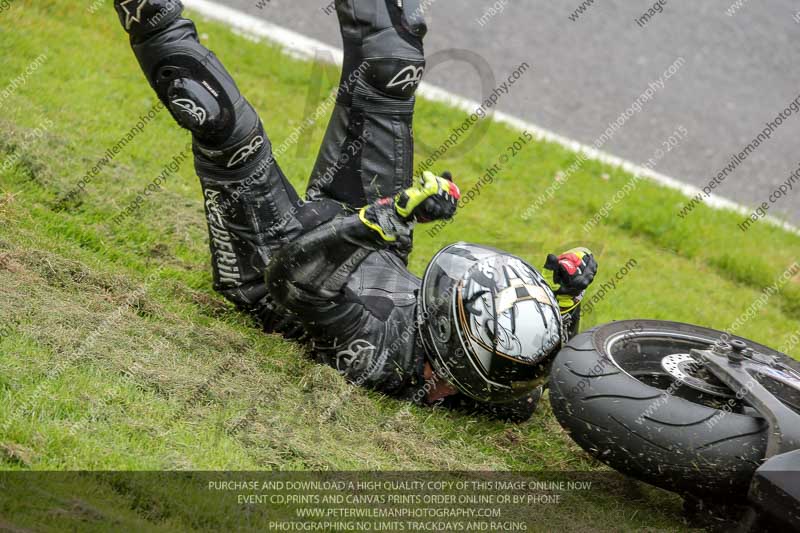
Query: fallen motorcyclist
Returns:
{"type": "Point", "coordinates": [481, 328]}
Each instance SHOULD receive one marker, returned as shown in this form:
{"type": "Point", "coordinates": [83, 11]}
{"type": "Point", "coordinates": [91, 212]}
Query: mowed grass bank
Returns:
{"type": "Point", "coordinates": [116, 355]}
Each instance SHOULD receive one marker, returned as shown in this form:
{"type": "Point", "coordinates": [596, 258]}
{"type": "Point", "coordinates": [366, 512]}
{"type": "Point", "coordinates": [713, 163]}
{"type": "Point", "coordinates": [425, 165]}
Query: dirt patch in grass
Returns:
{"type": "Point", "coordinates": [16, 454]}
{"type": "Point", "coordinates": [77, 509]}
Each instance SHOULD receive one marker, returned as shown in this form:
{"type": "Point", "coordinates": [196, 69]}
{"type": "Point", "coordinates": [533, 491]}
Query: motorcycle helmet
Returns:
{"type": "Point", "coordinates": [489, 322]}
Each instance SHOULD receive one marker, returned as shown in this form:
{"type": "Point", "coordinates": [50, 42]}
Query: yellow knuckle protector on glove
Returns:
{"type": "Point", "coordinates": [580, 251]}
{"type": "Point", "coordinates": [411, 198]}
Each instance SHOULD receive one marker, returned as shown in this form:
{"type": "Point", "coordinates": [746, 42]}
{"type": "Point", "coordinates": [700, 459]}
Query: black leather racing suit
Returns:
{"type": "Point", "coordinates": [328, 272]}
{"type": "Point", "coordinates": [328, 276]}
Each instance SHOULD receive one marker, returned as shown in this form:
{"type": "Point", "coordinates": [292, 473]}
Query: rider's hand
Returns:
{"type": "Point", "coordinates": [573, 270]}
{"type": "Point", "coordinates": [433, 198]}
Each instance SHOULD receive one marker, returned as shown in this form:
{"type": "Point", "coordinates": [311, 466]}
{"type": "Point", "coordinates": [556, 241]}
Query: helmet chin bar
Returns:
{"type": "Point", "coordinates": [432, 357]}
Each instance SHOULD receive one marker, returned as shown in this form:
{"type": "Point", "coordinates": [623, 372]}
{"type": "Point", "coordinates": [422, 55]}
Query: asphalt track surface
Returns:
{"type": "Point", "coordinates": [736, 74]}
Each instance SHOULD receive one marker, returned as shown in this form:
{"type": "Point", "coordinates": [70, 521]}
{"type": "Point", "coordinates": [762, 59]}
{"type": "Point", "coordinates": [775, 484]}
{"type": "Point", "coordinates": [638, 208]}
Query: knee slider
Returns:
{"type": "Point", "coordinates": [195, 107]}
{"type": "Point", "coordinates": [201, 96]}
{"type": "Point", "coordinates": [392, 65]}
{"type": "Point", "coordinates": [395, 77]}
{"type": "Point", "coordinates": [198, 99]}
{"type": "Point", "coordinates": [143, 17]}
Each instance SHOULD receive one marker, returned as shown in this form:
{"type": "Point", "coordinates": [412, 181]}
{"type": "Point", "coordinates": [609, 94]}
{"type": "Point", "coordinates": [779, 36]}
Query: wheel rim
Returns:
{"type": "Point", "coordinates": [657, 358]}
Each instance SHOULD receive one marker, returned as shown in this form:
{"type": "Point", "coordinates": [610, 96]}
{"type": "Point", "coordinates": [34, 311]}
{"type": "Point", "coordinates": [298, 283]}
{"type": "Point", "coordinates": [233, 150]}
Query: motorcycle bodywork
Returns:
{"type": "Point", "coordinates": [776, 488]}
{"type": "Point", "coordinates": [770, 386]}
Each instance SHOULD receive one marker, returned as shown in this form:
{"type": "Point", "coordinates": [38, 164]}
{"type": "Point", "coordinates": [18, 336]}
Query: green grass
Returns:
{"type": "Point", "coordinates": [115, 354]}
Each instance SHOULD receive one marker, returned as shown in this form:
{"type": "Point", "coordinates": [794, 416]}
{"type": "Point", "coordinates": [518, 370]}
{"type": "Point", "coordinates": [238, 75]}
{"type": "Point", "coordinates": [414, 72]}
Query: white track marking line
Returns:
{"type": "Point", "coordinates": [303, 47]}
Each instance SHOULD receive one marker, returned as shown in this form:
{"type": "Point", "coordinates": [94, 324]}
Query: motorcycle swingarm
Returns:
{"type": "Point", "coordinates": [738, 367]}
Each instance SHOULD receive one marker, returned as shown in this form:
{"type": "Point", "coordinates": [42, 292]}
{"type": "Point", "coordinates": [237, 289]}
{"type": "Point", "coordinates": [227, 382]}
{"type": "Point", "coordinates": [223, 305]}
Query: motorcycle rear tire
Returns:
{"type": "Point", "coordinates": [643, 431]}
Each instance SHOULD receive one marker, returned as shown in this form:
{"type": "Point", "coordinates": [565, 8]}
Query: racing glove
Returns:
{"type": "Point", "coordinates": [573, 272]}
{"type": "Point", "coordinates": [433, 198]}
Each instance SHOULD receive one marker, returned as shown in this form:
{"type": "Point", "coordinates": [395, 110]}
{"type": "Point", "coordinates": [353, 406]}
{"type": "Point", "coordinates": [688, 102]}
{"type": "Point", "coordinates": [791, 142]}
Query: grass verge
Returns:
{"type": "Point", "coordinates": [116, 355]}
